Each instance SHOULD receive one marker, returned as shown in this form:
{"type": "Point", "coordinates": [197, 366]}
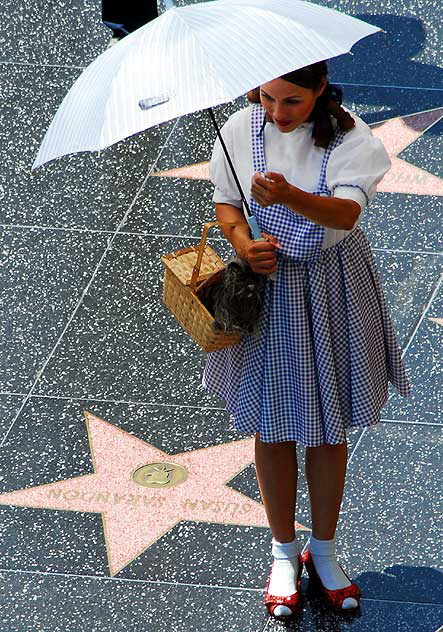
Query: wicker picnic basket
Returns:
{"type": "Point", "coordinates": [187, 272]}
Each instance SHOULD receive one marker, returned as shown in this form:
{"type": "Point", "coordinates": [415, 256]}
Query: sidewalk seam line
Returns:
{"type": "Point", "coordinates": [333, 80]}
{"type": "Point", "coordinates": [185, 584]}
{"type": "Point", "coordinates": [186, 406]}
{"type": "Point", "coordinates": [180, 236]}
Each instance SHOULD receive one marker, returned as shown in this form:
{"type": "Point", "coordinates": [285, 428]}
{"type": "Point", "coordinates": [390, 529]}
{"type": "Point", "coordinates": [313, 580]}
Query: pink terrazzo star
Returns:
{"type": "Point", "coordinates": [396, 134]}
{"type": "Point", "coordinates": [134, 517]}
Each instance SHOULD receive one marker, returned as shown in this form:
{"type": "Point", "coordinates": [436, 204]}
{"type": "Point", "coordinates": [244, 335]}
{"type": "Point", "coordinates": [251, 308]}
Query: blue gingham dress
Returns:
{"type": "Point", "coordinates": [326, 348]}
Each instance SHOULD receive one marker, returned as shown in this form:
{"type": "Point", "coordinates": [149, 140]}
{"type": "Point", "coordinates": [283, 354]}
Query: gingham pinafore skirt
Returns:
{"type": "Point", "coordinates": [326, 348]}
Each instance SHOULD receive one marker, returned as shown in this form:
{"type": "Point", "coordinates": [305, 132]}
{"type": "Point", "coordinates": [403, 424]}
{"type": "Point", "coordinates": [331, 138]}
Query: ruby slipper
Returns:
{"type": "Point", "coordinates": [334, 598]}
{"type": "Point", "coordinates": [293, 602]}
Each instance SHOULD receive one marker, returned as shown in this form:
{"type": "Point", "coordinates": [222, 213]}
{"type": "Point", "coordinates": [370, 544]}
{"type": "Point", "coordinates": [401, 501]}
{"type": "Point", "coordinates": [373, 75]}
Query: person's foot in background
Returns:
{"type": "Point", "coordinates": [118, 32]}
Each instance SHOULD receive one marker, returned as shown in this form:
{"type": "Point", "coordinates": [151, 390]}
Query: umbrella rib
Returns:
{"type": "Point", "coordinates": [194, 34]}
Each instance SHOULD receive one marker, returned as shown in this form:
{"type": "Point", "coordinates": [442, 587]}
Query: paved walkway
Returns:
{"type": "Point", "coordinates": [97, 380]}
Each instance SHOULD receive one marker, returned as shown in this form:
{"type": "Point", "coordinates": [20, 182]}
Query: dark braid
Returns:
{"type": "Point", "coordinates": [327, 104]}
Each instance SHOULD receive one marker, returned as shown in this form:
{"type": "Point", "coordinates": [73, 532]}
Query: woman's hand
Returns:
{"type": "Point", "coordinates": [261, 254]}
{"type": "Point", "coordinates": [272, 189]}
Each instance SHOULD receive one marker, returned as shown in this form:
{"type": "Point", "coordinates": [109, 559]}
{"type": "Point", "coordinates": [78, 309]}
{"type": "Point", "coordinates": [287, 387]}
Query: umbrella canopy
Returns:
{"type": "Point", "coordinates": [192, 58]}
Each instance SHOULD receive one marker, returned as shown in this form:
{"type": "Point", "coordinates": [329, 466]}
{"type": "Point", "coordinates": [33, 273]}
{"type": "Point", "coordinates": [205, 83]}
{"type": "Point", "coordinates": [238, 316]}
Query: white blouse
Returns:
{"type": "Point", "coordinates": [354, 169]}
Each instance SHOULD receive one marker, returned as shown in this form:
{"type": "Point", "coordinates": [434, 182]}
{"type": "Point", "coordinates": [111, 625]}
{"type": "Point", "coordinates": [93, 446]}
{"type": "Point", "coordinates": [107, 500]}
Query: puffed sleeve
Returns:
{"type": "Point", "coordinates": [220, 173]}
{"type": "Point", "coordinates": [357, 165]}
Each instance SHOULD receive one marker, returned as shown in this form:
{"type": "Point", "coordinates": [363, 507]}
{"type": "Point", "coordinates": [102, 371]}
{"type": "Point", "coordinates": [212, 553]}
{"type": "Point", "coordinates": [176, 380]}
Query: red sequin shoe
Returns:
{"type": "Point", "coordinates": [336, 597]}
{"type": "Point", "coordinates": [293, 602]}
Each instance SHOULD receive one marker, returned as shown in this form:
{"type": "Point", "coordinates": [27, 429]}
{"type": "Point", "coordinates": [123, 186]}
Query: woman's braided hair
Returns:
{"type": "Point", "coordinates": [327, 104]}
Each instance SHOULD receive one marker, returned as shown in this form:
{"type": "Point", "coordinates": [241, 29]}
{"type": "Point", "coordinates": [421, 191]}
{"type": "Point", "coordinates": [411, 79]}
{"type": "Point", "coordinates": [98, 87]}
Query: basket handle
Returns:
{"type": "Point", "coordinates": [201, 248]}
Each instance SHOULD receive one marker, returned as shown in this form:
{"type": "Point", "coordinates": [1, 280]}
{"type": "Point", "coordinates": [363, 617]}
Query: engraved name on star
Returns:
{"type": "Point", "coordinates": [135, 516]}
{"type": "Point", "coordinates": [396, 134]}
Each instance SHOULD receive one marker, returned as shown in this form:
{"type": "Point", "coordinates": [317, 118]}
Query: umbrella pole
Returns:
{"type": "Point", "coordinates": [228, 157]}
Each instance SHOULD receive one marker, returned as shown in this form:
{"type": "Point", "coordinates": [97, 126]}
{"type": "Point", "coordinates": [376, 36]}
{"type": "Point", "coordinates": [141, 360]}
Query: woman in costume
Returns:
{"type": "Point", "coordinates": [326, 348]}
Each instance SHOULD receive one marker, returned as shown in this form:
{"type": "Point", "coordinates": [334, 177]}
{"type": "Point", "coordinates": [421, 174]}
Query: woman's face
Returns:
{"type": "Point", "coordinates": [287, 104]}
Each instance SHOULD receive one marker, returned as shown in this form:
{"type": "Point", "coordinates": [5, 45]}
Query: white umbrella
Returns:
{"type": "Point", "coordinates": [192, 58]}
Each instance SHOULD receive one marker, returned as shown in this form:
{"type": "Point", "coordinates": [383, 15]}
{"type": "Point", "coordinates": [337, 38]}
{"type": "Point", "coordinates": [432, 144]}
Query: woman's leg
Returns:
{"type": "Point", "coordinates": [325, 468]}
{"type": "Point", "coordinates": [277, 470]}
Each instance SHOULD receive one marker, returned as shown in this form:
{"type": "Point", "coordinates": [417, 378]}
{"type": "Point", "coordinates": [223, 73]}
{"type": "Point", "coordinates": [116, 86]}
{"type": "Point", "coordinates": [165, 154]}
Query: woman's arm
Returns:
{"type": "Point", "coordinates": [328, 211]}
{"type": "Point", "coordinates": [239, 236]}
{"type": "Point", "coordinates": [259, 254]}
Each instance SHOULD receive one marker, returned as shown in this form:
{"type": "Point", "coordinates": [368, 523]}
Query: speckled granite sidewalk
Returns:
{"type": "Point", "coordinates": [97, 380]}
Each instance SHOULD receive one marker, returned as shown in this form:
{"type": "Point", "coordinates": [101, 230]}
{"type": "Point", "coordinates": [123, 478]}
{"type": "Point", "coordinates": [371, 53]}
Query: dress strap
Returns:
{"type": "Point", "coordinates": [322, 187]}
{"type": "Point", "coordinates": [257, 131]}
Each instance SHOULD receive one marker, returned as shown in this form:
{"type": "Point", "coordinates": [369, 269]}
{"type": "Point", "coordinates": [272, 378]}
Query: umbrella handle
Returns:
{"type": "Point", "coordinates": [201, 248]}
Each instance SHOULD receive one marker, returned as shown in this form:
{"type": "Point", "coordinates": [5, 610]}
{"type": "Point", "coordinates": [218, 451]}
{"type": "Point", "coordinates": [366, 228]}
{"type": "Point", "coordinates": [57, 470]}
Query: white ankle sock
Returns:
{"type": "Point", "coordinates": [284, 572]}
{"type": "Point", "coordinates": [325, 561]}
{"type": "Point", "coordinates": [285, 568]}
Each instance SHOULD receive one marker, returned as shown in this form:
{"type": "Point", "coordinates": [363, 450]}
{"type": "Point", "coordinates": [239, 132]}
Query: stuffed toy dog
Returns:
{"type": "Point", "coordinates": [235, 300]}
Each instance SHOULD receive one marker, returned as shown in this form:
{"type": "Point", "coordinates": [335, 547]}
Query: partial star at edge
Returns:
{"type": "Point", "coordinates": [396, 134]}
